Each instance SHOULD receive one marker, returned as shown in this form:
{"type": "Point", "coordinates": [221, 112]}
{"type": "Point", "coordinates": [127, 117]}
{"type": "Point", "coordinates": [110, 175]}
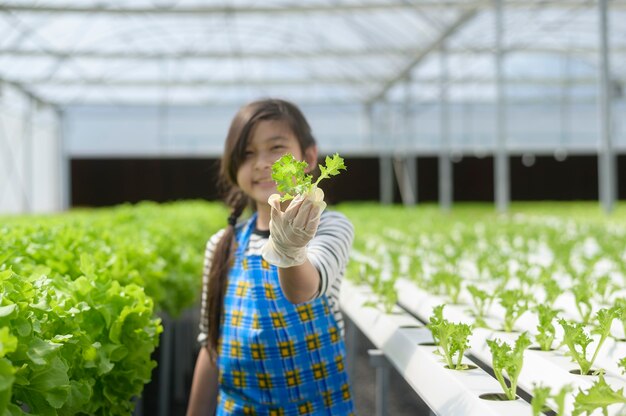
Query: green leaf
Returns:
{"type": "Point", "coordinates": [291, 179]}
{"type": "Point", "coordinates": [599, 396]}
{"type": "Point", "coordinates": [8, 343]}
{"type": "Point", "coordinates": [8, 311]}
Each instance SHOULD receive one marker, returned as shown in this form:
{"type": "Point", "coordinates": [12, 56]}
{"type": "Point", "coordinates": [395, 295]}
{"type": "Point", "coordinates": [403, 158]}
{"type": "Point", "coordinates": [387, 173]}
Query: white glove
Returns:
{"type": "Point", "coordinates": [291, 231]}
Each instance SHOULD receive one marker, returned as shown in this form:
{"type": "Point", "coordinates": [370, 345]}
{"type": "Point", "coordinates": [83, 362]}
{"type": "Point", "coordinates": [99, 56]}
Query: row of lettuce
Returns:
{"type": "Point", "coordinates": [567, 272]}
{"type": "Point", "coordinates": [80, 299]}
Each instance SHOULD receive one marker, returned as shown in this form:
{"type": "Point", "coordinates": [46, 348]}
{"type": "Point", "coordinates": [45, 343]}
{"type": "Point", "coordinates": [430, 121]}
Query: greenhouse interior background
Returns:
{"type": "Point", "coordinates": [434, 105]}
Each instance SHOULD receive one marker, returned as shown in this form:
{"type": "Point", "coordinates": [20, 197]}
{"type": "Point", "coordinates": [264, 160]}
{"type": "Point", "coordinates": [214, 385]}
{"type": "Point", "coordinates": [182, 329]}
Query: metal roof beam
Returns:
{"type": "Point", "coordinates": [198, 82]}
{"type": "Point", "coordinates": [142, 83]}
{"type": "Point", "coordinates": [269, 55]}
{"type": "Point", "coordinates": [27, 92]}
{"type": "Point", "coordinates": [423, 53]}
{"type": "Point", "coordinates": [240, 10]}
{"type": "Point", "coordinates": [52, 8]}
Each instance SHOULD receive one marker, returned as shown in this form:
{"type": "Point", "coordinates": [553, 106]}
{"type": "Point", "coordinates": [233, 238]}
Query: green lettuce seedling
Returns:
{"type": "Point", "coordinates": [481, 301]}
{"type": "Point", "coordinates": [545, 328]}
{"type": "Point", "coordinates": [599, 396]}
{"type": "Point", "coordinates": [386, 295]}
{"type": "Point", "coordinates": [515, 303]}
{"type": "Point", "coordinates": [451, 338]}
{"type": "Point", "coordinates": [622, 363]}
{"type": "Point", "coordinates": [290, 177]}
{"type": "Point", "coordinates": [447, 283]}
{"type": "Point", "coordinates": [541, 396]}
{"type": "Point", "coordinates": [582, 293]}
{"type": "Point", "coordinates": [621, 304]}
{"type": "Point", "coordinates": [574, 336]}
{"type": "Point", "coordinates": [508, 360]}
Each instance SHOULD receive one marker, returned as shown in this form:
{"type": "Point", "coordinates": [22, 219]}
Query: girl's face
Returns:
{"type": "Point", "coordinates": [269, 140]}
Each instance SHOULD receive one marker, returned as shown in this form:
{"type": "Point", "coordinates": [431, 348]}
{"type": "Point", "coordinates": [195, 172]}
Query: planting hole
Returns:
{"type": "Point", "coordinates": [411, 326]}
{"type": "Point", "coordinates": [539, 349]}
{"type": "Point", "coordinates": [469, 367]}
{"type": "Point", "coordinates": [427, 344]}
{"type": "Point", "coordinates": [589, 373]}
{"type": "Point", "coordinates": [496, 397]}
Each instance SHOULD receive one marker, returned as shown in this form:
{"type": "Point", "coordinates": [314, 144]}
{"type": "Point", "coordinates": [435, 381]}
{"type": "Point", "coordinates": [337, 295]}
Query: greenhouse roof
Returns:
{"type": "Point", "coordinates": [335, 51]}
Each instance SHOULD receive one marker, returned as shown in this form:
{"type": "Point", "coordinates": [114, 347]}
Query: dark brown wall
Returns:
{"type": "Point", "coordinates": [101, 182]}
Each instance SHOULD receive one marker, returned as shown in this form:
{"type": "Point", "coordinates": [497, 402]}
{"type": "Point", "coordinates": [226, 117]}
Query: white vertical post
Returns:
{"type": "Point", "coordinates": [445, 164]}
{"type": "Point", "coordinates": [410, 154]}
{"type": "Point", "coordinates": [65, 183]}
{"type": "Point", "coordinates": [369, 125]}
{"type": "Point", "coordinates": [606, 155]}
{"type": "Point", "coordinates": [501, 160]}
{"type": "Point", "coordinates": [386, 159]}
{"type": "Point", "coordinates": [27, 156]}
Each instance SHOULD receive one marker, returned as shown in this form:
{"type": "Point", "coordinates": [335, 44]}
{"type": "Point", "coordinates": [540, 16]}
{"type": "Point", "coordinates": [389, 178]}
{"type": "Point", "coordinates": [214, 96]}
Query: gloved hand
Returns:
{"type": "Point", "coordinates": [291, 231]}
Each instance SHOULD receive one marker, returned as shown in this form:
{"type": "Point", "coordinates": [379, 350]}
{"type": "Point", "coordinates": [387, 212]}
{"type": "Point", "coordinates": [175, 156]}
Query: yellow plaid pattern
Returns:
{"type": "Point", "coordinates": [244, 264]}
{"type": "Point", "coordinates": [235, 319]}
{"type": "Point", "coordinates": [277, 412]}
{"type": "Point", "coordinates": [339, 363]}
{"type": "Point", "coordinates": [229, 405]}
{"type": "Point", "coordinates": [235, 349]}
{"type": "Point", "coordinates": [258, 351]}
{"type": "Point", "coordinates": [334, 335]}
{"type": "Point", "coordinates": [248, 410]}
{"type": "Point", "coordinates": [286, 349]}
{"type": "Point", "coordinates": [306, 312]}
{"type": "Point", "coordinates": [265, 265]}
{"type": "Point", "coordinates": [313, 342]}
{"type": "Point", "coordinates": [305, 408]}
{"type": "Point", "coordinates": [326, 310]}
{"type": "Point", "coordinates": [328, 398]}
{"type": "Point", "coordinates": [319, 371]}
{"type": "Point", "coordinates": [278, 320]}
{"type": "Point", "coordinates": [242, 288]}
{"type": "Point", "coordinates": [293, 378]}
{"type": "Point", "coordinates": [264, 380]}
{"type": "Point", "coordinates": [255, 322]}
{"type": "Point", "coordinates": [239, 379]}
{"type": "Point", "coordinates": [345, 392]}
{"type": "Point", "coordinates": [270, 291]}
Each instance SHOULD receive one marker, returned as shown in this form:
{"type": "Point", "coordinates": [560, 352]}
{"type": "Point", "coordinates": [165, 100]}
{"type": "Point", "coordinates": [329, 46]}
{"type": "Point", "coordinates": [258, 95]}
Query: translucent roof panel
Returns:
{"type": "Point", "coordinates": [355, 51]}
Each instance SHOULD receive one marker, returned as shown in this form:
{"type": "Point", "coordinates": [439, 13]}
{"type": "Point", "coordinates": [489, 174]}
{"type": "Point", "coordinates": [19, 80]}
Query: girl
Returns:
{"type": "Point", "coordinates": [271, 329]}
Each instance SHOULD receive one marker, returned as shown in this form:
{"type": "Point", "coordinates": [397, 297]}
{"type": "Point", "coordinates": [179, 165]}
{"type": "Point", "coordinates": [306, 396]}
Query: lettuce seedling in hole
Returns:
{"type": "Point", "coordinates": [541, 396]}
{"type": "Point", "coordinates": [604, 288]}
{"type": "Point", "coordinates": [515, 303]}
{"type": "Point", "coordinates": [599, 396]}
{"type": "Point", "coordinates": [289, 174]}
{"type": "Point", "coordinates": [577, 340]}
{"type": "Point", "coordinates": [621, 304]}
{"type": "Point", "coordinates": [552, 290]}
{"type": "Point", "coordinates": [451, 338]}
{"type": "Point", "coordinates": [481, 301]}
{"type": "Point", "coordinates": [386, 295]}
{"type": "Point", "coordinates": [447, 283]}
{"type": "Point", "coordinates": [545, 328]}
{"type": "Point", "coordinates": [582, 292]}
{"type": "Point", "coordinates": [509, 360]}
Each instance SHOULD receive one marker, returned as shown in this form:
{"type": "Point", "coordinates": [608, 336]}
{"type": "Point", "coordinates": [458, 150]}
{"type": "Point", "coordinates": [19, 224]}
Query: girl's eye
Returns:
{"type": "Point", "coordinates": [277, 147]}
{"type": "Point", "coordinates": [248, 153]}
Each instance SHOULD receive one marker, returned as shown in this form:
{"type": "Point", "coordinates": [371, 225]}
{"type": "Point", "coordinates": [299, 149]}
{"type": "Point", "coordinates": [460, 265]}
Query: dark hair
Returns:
{"type": "Point", "coordinates": [234, 153]}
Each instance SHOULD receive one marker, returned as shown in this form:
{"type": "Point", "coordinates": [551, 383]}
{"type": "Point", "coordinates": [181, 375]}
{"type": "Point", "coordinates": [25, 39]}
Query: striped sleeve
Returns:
{"type": "Point", "coordinates": [208, 258]}
{"type": "Point", "coordinates": [329, 250]}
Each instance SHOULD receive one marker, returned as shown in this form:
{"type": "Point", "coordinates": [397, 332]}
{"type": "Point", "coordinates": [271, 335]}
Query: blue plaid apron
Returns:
{"type": "Point", "coordinates": [277, 358]}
